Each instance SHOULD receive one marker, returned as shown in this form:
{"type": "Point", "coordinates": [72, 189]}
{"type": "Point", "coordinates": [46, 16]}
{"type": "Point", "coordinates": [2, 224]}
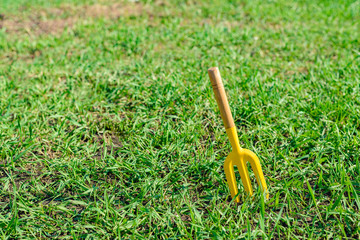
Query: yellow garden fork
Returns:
{"type": "Point", "coordinates": [238, 156]}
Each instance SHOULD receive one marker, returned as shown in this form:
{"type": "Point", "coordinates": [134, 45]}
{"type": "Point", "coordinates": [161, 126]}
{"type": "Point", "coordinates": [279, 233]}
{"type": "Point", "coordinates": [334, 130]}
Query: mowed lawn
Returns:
{"type": "Point", "coordinates": [109, 127]}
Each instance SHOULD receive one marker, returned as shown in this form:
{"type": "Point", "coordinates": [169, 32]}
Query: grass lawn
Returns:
{"type": "Point", "coordinates": [109, 127]}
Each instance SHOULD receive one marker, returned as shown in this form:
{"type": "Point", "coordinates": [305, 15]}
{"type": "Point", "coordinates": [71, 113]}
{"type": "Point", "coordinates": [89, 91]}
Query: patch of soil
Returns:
{"type": "Point", "coordinates": [113, 11]}
{"type": "Point", "coordinates": [114, 144]}
{"type": "Point", "coordinates": [56, 20]}
{"type": "Point", "coordinates": [35, 26]}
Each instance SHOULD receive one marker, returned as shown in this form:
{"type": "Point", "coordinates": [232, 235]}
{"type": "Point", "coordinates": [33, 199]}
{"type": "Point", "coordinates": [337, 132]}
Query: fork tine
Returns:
{"type": "Point", "coordinates": [230, 177]}
{"type": "Point", "coordinates": [256, 167]}
{"type": "Point", "coordinates": [245, 178]}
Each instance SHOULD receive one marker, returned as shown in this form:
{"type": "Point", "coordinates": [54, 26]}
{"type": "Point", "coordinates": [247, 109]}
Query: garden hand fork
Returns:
{"type": "Point", "coordinates": [238, 156]}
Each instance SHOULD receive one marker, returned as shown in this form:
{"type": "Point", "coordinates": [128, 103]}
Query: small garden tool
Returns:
{"type": "Point", "coordinates": [239, 156]}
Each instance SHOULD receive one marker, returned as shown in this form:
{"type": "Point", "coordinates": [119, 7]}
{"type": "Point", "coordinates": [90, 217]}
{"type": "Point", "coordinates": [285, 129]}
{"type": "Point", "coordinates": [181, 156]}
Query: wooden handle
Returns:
{"type": "Point", "coordinates": [221, 98]}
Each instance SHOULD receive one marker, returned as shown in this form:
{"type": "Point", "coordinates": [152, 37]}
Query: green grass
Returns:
{"type": "Point", "coordinates": [109, 128]}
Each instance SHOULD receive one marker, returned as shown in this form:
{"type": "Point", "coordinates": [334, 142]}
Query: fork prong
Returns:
{"type": "Point", "coordinates": [254, 161]}
{"type": "Point", "coordinates": [245, 178]}
{"type": "Point", "coordinates": [230, 177]}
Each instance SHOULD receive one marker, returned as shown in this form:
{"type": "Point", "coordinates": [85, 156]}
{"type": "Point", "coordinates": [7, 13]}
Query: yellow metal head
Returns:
{"type": "Point", "coordinates": [239, 157]}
